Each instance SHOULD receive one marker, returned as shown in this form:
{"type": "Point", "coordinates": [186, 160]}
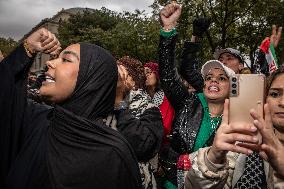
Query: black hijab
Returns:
{"type": "Point", "coordinates": [94, 93]}
{"type": "Point", "coordinates": [82, 151]}
{"type": "Point", "coordinates": [67, 146]}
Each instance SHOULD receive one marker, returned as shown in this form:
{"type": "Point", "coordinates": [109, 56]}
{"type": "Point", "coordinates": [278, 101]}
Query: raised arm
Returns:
{"type": "Point", "coordinates": [171, 82]}
{"type": "Point", "coordinates": [264, 59]}
{"type": "Point", "coordinates": [13, 76]}
{"type": "Point", "coordinates": [13, 101]}
{"type": "Point", "coordinates": [189, 60]}
{"type": "Point", "coordinates": [189, 63]}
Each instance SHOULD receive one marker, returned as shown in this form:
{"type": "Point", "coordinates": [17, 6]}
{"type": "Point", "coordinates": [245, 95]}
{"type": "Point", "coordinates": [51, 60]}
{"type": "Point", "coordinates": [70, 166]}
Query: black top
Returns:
{"type": "Point", "coordinates": [67, 146]}
{"type": "Point", "coordinates": [189, 64]}
{"type": "Point", "coordinates": [187, 106]}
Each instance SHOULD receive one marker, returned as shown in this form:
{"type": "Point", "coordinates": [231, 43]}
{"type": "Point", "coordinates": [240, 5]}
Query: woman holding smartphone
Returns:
{"type": "Point", "coordinates": [229, 165]}
{"type": "Point", "coordinates": [197, 115]}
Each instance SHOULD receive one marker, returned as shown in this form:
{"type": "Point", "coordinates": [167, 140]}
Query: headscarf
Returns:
{"type": "Point", "coordinates": [82, 151]}
{"type": "Point", "coordinates": [154, 67]}
{"type": "Point", "coordinates": [94, 93]}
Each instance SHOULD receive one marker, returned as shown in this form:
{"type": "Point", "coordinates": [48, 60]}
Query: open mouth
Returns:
{"type": "Point", "coordinates": [213, 89]}
{"type": "Point", "coordinates": [49, 79]}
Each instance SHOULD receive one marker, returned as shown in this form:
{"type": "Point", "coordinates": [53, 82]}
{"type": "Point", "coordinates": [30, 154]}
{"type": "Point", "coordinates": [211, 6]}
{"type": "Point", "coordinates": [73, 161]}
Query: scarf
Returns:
{"type": "Point", "coordinates": [204, 138]}
{"type": "Point", "coordinates": [82, 151]}
{"type": "Point", "coordinates": [254, 175]}
{"type": "Point", "coordinates": [208, 126]}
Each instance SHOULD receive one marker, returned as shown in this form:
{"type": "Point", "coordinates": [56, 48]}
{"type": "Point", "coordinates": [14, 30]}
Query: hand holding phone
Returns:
{"type": "Point", "coordinates": [227, 135]}
{"type": "Point", "coordinates": [246, 93]}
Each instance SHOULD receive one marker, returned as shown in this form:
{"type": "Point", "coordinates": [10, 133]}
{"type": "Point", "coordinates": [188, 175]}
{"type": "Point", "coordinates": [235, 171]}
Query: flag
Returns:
{"type": "Point", "coordinates": [270, 54]}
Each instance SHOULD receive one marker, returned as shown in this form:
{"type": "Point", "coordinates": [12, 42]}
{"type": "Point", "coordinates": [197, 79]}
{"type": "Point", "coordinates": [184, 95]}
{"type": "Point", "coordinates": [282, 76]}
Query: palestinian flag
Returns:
{"type": "Point", "coordinates": [270, 54]}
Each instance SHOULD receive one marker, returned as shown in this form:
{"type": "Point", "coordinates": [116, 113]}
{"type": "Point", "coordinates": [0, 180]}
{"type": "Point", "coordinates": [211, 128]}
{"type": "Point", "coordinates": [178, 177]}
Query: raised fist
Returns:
{"type": "Point", "coordinates": [43, 40]}
{"type": "Point", "coordinates": [200, 26]}
{"type": "Point", "coordinates": [169, 15]}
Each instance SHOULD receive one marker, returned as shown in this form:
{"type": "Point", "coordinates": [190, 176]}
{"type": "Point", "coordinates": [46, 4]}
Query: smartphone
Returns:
{"type": "Point", "coordinates": [246, 92]}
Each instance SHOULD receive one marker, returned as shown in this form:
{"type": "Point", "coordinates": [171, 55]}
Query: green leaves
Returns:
{"type": "Point", "coordinates": [126, 33]}
{"type": "Point", "coordinates": [241, 24]}
{"type": "Point", "coordinates": [7, 45]}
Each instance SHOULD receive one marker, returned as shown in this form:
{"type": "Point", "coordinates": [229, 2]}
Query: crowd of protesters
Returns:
{"type": "Point", "coordinates": [90, 121]}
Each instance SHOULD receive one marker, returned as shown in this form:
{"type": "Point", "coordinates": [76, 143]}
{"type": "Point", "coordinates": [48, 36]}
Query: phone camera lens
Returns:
{"type": "Point", "coordinates": [234, 91]}
{"type": "Point", "coordinates": [234, 79]}
{"type": "Point", "coordinates": [234, 85]}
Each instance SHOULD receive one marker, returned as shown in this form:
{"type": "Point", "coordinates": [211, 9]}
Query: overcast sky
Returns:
{"type": "Point", "coordinates": [17, 17]}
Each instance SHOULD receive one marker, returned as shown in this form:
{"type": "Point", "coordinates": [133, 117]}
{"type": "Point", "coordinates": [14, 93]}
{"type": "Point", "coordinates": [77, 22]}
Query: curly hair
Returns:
{"type": "Point", "coordinates": [135, 69]}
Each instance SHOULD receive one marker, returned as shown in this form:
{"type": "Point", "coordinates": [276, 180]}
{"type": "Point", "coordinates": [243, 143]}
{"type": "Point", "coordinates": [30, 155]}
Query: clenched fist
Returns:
{"type": "Point", "coordinates": [44, 41]}
{"type": "Point", "coordinates": [169, 15]}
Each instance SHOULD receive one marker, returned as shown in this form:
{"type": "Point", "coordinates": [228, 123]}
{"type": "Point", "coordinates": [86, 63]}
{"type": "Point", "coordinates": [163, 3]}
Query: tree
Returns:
{"type": "Point", "coordinates": [126, 33]}
{"type": "Point", "coordinates": [136, 36]}
{"type": "Point", "coordinates": [7, 45]}
{"type": "Point", "coordinates": [240, 24]}
{"type": "Point", "coordinates": [74, 30]}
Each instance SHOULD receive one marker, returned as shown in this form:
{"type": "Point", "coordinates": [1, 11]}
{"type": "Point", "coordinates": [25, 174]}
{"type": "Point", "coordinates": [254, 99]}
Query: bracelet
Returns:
{"type": "Point", "coordinates": [168, 34]}
{"type": "Point", "coordinates": [30, 52]}
{"type": "Point", "coordinates": [168, 29]}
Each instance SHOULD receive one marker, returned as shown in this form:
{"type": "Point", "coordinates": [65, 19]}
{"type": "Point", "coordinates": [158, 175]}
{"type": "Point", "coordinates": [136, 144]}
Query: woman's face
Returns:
{"type": "Point", "coordinates": [61, 76]}
{"type": "Point", "coordinates": [216, 86]}
{"type": "Point", "coordinates": [275, 101]}
{"type": "Point", "coordinates": [151, 80]}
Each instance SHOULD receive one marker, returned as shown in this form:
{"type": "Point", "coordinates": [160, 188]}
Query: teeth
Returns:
{"type": "Point", "coordinates": [213, 88]}
{"type": "Point", "coordinates": [49, 79]}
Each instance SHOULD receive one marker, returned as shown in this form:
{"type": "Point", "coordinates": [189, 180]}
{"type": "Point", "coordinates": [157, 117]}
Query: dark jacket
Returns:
{"type": "Point", "coordinates": [189, 65]}
{"type": "Point", "coordinates": [144, 134]}
{"type": "Point", "coordinates": [188, 108]}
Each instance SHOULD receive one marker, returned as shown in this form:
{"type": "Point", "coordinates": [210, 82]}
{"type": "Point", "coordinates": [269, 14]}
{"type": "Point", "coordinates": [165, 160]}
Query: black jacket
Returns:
{"type": "Point", "coordinates": [187, 106]}
{"type": "Point", "coordinates": [189, 65]}
{"type": "Point", "coordinates": [144, 134]}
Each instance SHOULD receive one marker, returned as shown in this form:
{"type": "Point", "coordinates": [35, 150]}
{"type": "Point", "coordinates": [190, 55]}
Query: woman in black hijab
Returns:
{"type": "Point", "coordinates": [68, 146]}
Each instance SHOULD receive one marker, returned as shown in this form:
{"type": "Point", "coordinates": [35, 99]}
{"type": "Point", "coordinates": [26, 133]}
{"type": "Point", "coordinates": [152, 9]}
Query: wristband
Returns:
{"type": "Point", "coordinates": [168, 33]}
{"type": "Point", "coordinates": [29, 52]}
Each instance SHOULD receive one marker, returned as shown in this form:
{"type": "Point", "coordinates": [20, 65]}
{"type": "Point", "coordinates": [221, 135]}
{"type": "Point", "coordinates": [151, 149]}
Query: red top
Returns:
{"type": "Point", "coordinates": [168, 114]}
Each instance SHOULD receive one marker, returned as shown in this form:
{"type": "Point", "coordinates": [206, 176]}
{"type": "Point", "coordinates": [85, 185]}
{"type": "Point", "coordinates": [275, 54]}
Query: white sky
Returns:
{"type": "Point", "coordinates": [17, 17]}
